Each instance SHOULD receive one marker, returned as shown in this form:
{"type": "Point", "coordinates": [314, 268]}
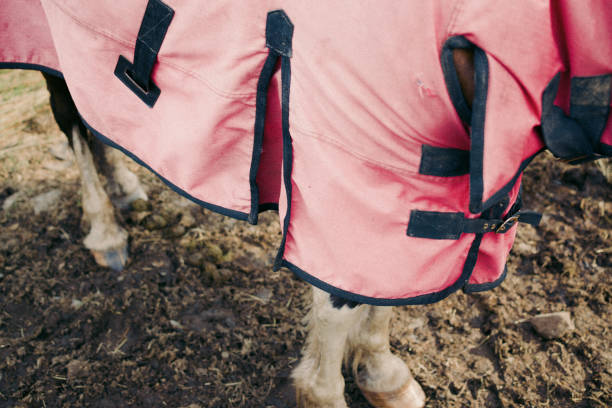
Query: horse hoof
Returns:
{"type": "Point", "coordinates": [411, 395]}
{"type": "Point", "coordinates": [113, 258]}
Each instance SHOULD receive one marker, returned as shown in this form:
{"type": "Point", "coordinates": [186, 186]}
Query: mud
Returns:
{"type": "Point", "coordinates": [199, 319]}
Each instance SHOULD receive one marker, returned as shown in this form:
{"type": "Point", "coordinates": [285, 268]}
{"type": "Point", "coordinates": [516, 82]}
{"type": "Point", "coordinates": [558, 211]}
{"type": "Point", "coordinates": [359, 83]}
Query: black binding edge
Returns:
{"type": "Point", "coordinates": [482, 287]}
{"type": "Point", "coordinates": [137, 76]}
{"type": "Point", "coordinates": [31, 67]}
{"type": "Point", "coordinates": [260, 114]}
{"type": "Point", "coordinates": [213, 207]}
{"type": "Point", "coordinates": [239, 215]}
{"type": "Point", "coordinates": [590, 105]}
{"type": "Point", "coordinates": [279, 33]}
{"type": "Point", "coordinates": [468, 267]}
{"type": "Point", "coordinates": [444, 161]}
{"type": "Point", "coordinates": [476, 118]}
{"type": "Point", "coordinates": [452, 80]}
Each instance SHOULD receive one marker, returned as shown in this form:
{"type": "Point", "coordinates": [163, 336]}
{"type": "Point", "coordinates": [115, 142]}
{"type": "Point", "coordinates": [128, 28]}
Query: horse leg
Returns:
{"type": "Point", "coordinates": [384, 379]}
{"type": "Point", "coordinates": [123, 185]}
{"type": "Point", "coordinates": [318, 377]}
{"type": "Point", "coordinates": [106, 240]}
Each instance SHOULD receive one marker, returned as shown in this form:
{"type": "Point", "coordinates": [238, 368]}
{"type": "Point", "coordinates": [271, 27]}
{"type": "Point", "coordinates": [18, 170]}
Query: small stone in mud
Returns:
{"type": "Point", "coordinates": [264, 294]}
{"type": "Point", "coordinates": [187, 220]}
{"type": "Point", "coordinates": [195, 259]}
{"type": "Point", "coordinates": [211, 272]}
{"type": "Point", "coordinates": [46, 201]}
{"type": "Point", "coordinates": [137, 217]}
{"type": "Point", "coordinates": [154, 222]}
{"type": "Point", "coordinates": [11, 200]}
{"type": "Point", "coordinates": [189, 242]}
{"type": "Point", "coordinates": [226, 274]}
{"type": "Point", "coordinates": [176, 325]}
{"type": "Point", "coordinates": [552, 325]}
{"type": "Point", "coordinates": [11, 245]}
{"type": "Point", "coordinates": [140, 205]}
{"type": "Point", "coordinates": [77, 368]}
{"type": "Point", "coordinates": [175, 231]}
{"type": "Point", "coordinates": [214, 253]}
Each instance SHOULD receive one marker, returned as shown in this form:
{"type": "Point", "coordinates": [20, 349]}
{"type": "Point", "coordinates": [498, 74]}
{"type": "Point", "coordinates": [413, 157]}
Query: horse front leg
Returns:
{"type": "Point", "coordinates": [318, 377]}
{"type": "Point", "coordinates": [383, 378]}
{"type": "Point", "coordinates": [123, 185]}
{"type": "Point", "coordinates": [106, 240]}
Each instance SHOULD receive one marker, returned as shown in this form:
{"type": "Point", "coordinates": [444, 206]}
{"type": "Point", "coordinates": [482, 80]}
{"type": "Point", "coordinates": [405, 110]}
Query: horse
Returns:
{"type": "Point", "coordinates": [402, 120]}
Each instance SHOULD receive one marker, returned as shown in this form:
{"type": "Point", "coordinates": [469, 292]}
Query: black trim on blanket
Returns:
{"type": "Point", "coordinates": [287, 155]}
{"type": "Point", "coordinates": [279, 33]}
{"type": "Point", "coordinates": [510, 184]}
{"type": "Point", "coordinates": [433, 297]}
{"type": "Point", "coordinates": [590, 105]}
{"type": "Point", "coordinates": [481, 287]}
{"type": "Point", "coordinates": [32, 67]}
{"type": "Point", "coordinates": [137, 76]}
{"type": "Point", "coordinates": [451, 78]}
{"type": "Point", "coordinates": [576, 138]}
{"type": "Point", "coordinates": [260, 114]}
{"type": "Point", "coordinates": [443, 161]}
{"type": "Point", "coordinates": [605, 149]}
{"type": "Point", "coordinates": [218, 209]}
{"type": "Point", "coordinates": [476, 116]}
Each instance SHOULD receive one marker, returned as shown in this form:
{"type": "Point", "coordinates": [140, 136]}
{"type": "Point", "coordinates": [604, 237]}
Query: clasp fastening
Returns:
{"type": "Point", "coordinates": [508, 223]}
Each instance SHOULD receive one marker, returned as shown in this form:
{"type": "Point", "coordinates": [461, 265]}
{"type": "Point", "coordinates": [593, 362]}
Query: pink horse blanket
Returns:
{"type": "Point", "coordinates": [348, 118]}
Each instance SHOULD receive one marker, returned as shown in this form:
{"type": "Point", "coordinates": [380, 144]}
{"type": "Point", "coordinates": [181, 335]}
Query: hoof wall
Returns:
{"type": "Point", "coordinates": [113, 258]}
{"type": "Point", "coordinates": [411, 395]}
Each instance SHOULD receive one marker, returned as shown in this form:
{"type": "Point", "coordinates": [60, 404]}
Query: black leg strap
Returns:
{"type": "Point", "coordinates": [443, 225]}
{"type": "Point", "coordinates": [137, 76]}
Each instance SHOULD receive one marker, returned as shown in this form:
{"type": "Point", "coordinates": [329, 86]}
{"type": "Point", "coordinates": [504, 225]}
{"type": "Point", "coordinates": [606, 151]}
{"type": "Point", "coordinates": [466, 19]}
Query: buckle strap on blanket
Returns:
{"type": "Point", "coordinates": [137, 76]}
{"type": "Point", "coordinates": [447, 225]}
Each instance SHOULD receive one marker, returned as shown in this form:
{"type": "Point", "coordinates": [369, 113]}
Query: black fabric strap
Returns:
{"type": "Point", "coordinates": [444, 162]}
{"type": "Point", "coordinates": [137, 76]}
{"type": "Point", "coordinates": [575, 138]}
{"type": "Point", "coordinates": [590, 105]}
{"type": "Point", "coordinates": [444, 225]}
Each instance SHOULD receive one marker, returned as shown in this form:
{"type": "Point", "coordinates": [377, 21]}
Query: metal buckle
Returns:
{"type": "Point", "coordinates": [128, 73]}
{"type": "Point", "coordinates": [508, 223]}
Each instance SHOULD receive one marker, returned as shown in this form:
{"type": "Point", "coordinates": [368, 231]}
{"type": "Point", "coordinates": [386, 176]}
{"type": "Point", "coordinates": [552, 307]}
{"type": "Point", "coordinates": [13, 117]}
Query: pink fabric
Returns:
{"type": "Point", "coordinates": [367, 91]}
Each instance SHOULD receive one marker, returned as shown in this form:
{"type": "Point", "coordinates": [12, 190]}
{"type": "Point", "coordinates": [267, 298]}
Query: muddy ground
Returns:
{"type": "Point", "coordinates": [198, 318]}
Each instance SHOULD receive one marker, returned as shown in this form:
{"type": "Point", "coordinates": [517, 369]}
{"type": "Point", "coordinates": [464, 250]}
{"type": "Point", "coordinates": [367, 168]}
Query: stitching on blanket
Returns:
{"type": "Point", "coordinates": [140, 37]}
{"type": "Point", "coordinates": [359, 155]}
{"type": "Point", "coordinates": [218, 92]}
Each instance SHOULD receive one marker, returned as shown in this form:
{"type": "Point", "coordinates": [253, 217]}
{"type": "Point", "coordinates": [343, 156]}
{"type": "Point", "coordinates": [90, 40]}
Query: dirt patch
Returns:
{"type": "Point", "coordinates": [198, 318]}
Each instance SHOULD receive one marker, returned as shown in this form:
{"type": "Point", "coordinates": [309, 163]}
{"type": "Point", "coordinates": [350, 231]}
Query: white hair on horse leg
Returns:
{"type": "Point", "coordinates": [105, 233]}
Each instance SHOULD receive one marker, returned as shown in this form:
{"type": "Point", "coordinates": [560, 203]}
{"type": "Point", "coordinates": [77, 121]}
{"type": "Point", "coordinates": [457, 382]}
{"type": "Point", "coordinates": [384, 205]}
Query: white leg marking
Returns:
{"type": "Point", "coordinates": [605, 166]}
{"type": "Point", "coordinates": [318, 378]}
{"type": "Point", "coordinates": [129, 185]}
{"type": "Point", "coordinates": [105, 236]}
{"type": "Point", "coordinates": [384, 378]}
